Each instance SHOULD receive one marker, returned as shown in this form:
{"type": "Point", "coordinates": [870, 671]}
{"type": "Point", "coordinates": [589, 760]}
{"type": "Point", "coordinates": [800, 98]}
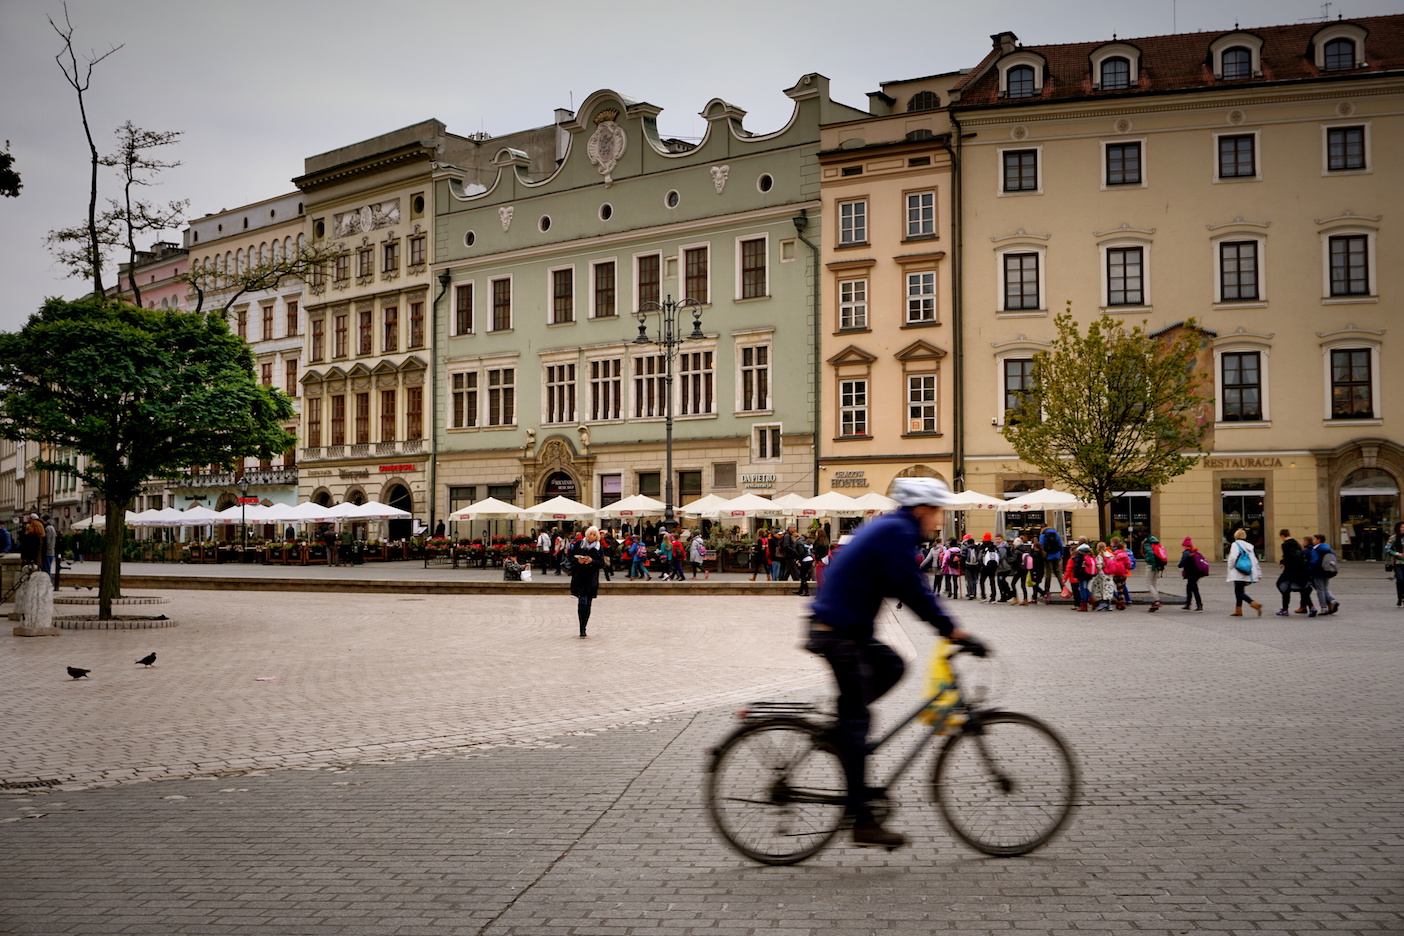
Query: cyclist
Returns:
{"type": "Point", "coordinates": [877, 564]}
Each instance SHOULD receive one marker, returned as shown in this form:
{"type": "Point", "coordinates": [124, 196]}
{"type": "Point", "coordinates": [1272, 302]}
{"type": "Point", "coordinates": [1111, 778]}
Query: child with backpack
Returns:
{"type": "Point", "coordinates": [1156, 561]}
{"type": "Point", "coordinates": [1125, 564]}
{"type": "Point", "coordinates": [1193, 566]}
{"type": "Point", "coordinates": [1052, 546]}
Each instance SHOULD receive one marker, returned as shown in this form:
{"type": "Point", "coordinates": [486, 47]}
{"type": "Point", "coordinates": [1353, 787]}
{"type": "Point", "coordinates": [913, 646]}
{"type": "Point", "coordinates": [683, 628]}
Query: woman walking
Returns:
{"type": "Point", "coordinates": [1295, 576]}
{"type": "Point", "coordinates": [1394, 554]}
{"type": "Point", "coordinates": [697, 555]}
{"type": "Point", "coordinates": [1243, 570]}
{"type": "Point", "coordinates": [1193, 566]}
{"type": "Point", "coordinates": [586, 559]}
{"type": "Point", "coordinates": [1156, 561]}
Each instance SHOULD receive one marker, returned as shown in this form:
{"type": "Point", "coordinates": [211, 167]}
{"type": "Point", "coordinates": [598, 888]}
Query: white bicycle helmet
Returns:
{"type": "Point", "coordinates": [913, 492]}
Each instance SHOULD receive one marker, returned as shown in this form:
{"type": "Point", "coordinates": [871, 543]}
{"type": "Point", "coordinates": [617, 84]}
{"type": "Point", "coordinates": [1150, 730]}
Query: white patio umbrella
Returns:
{"type": "Point", "coordinates": [251, 513]}
{"type": "Point", "coordinates": [99, 521]}
{"type": "Point", "coordinates": [635, 505]}
{"type": "Point", "coordinates": [307, 512]}
{"type": "Point", "coordinates": [559, 508]}
{"type": "Point", "coordinates": [703, 506]}
{"type": "Point", "coordinates": [166, 516]}
{"type": "Point", "coordinates": [198, 515]}
{"type": "Point", "coordinates": [835, 504]}
{"type": "Point", "coordinates": [875, 503]}
{"type": "Point", "coordinates": [974, 500]}
{"type": "Point", "coordinates": [489, 508]}
{"type": "Point", "coordinates": [1046, 499]}
{"type": "Point", "coordinates": [375, 510]}
{"type": "Point", "coordinates": [749, 505]}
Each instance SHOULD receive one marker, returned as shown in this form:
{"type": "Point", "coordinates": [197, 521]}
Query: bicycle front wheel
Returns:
{"type": "Point", "coordinates": [775, 792]}
{"type": "Point", "coordinates": [1005, 784]}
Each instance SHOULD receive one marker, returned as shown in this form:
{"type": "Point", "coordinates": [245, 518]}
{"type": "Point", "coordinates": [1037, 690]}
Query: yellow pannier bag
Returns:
{"type": "Point", "coordinates": [940, 682]}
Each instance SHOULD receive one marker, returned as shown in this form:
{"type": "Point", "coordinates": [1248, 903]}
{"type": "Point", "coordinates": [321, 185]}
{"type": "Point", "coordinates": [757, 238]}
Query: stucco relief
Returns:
{"type": "Point", "coordinates": [607, 144]}
{"type": "Point", "coordinates": [367, 218]}
{"type": "Point", "coordinates": [504, 214]}
{"type": "Point", "coordinates": [719, 176]}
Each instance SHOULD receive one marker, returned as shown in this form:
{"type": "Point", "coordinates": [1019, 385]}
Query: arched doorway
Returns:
{"type": "Point", "coordinates": [399, 496]}
{"type": "Point", "coordinates": [228, 532]}
{"type": "Point", "coordinates": [1369, 507]}
{"type": "Point", "coordinates": [322, 498]}
{"type": "Point", "coordinates": [559, 484]}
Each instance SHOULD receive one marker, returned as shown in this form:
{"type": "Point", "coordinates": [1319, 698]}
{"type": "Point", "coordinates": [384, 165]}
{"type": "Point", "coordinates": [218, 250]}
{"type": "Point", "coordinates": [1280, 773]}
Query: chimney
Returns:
{"type": "Point", "coordinates": [1005, 42]}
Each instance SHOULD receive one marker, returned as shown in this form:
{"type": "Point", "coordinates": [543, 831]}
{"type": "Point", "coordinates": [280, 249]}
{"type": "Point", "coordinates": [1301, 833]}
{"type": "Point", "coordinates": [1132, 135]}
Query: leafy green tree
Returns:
{"type": "Point", "coordinates": [142, 393]}
{"type": "Point", "coordinates": [10, 183]}
{"type": "Point", "coordinates": [1111, 410]}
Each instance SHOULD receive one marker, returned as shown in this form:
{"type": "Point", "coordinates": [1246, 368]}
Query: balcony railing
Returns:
{"type": "Point", "coordinates": [230, 479]}
{"type": "Point", "coordinates": [362, 450]}
{"type": "Point", "coordinates": [257, 476]}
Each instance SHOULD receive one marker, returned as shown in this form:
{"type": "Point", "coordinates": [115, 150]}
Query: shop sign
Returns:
{"type": "Point", "coordinates": [347, 473]}
{"type": "Point", "coordinates": [758, 480]}
{"type": "Point", "coordinates": [849, 479]}
{"type": "Point", "coordinates": [1242, 463]}
{"type": "Point", "coordinates": [561, 484]}
{"type": "Point", "coordinates": [396, 468]}
{"type": "Point", "coordinates": [320, 473]}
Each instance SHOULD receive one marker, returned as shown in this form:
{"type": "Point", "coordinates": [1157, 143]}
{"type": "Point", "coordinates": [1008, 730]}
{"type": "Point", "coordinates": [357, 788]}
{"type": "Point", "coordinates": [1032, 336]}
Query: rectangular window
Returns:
{"type": "Point", "coordinates": [365, 262]}
{"type": "Point", "coordinates": [266, 331]}
{"type": "Point", "coordinates": [390, 325]}
{"type": "Point", "coordinates": [650, 386]}
{"type": "Point", "coordinates": [696, 375]}
{"type": "Point", "coordinates": [314, 422]}
{"type": "Point", "coordinates": [416, 325]}
{"type": "Point", "coordinates": [604, 290]}
{"type": "Point", "coordinates": [921, 214]}
{"type": "Point", "coordinates": [291, 378]}
{"type": "Point", "coordinates": [365, 327]}
{"type": "Point", "coordinates": [1020, 170]}
{"type": "Point", "coordinates": [291, 310]}
{"type": "Point", "coordinates": [338, 420]}
{"type": "Point", "coordinates": [606, 389]}
{"type": "Point", "coordinates": [362, 418]}
{"type": "Point", "coordinates": [1238, 271]}
{"type": "Point", "coordinates": [339, 336]}
{"type": "Point", "coordinates": [853, 407]}
{"type": "Point", "coordinates": [502, 396]}
{"type": "Point", "coordinates": [319, 339]}
{"type": "Point", "coordinates": [241, 323]}
{"type": "Point", "coordinates": [921, 403]}
{"type": "Point", "coordinates": [1236, 157]}
{"type": "Point", "coordinates": [341, 268]}
{"type": "Point", "coordinates": [560, 393]}
{"type": "Point", "coordinates": [753, 272]}
{"type": "Point", "coordinates": [1021, 282]}
{"type": "Point", "coordinates": [689, 486]}
{"type": "Point", "coordinates": [921, 298]}
{"type": "Point", "coordinates": [695, 271]}
{"type": "Point", "coordinates": [562, 296]}
{"type": "Point", "coordinates": [767, 443]}
{"type": "Point", "coordinates": [501, 304]}
{"type": "Point", "coordinates": [1124, 280]}
{"type": "Point", "coordinates": [414, 412]}
{"type": "Point", "coordinates": [1123, 164]}
{"type": "Point", "coordinates": [388, 416]}
{"type": "Point", "coordinates": [390, 257]}
{"type": "Point", "coordinates": [1351, 396]}
{"type": "Point", "coordinates": [463, 309]}
{"type": "Point", "coordinates": [723, 474]}
{"type": "Point", "coordinates": [650, 279]}
{"type": "Point", "coordinates": [650, 483]}
{"type": "Point", "coordinates": [611, 489]}
{"type": "Point", "coordinates": [1345, 148]}
{"type": "Point", "coordinates": [853, 304]}
{"type": "Point", "coordinates": [1242, 387]}
{"type": "Point", "coordinates": [266, 374]}
{"type": "Point", "coordinates": [463, 400]}
{"type": "Point", "coordinates": [1350, 265]}
{"type": "Point", "coordinates": [853, 222]}
{"type": "Point", "coordinates": [417, 253]}
{"type": "Point", "coordinates": [755, 378]}
{"type": "Point", "coordinates": [1018, 385]}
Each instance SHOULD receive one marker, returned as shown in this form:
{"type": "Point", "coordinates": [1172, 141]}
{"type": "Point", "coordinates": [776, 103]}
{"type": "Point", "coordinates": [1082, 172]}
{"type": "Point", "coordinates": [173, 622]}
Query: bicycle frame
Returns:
{"type": "Point", "coordinates": [943, 714]}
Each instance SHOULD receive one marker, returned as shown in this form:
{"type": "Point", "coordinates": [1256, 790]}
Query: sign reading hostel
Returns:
{"type": "Point", "coordinates": [849, 479]}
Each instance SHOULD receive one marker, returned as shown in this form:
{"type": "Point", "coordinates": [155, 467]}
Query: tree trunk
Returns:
{"type": "Point", "coordinates": [110, 579]}
{"type": "Point", "coordinates": [1104, 518]}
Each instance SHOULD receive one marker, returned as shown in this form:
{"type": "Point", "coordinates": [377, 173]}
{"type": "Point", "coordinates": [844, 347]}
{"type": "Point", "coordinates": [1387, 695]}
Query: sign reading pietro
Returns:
{"type": "Point", "coordinates": [607, 143]}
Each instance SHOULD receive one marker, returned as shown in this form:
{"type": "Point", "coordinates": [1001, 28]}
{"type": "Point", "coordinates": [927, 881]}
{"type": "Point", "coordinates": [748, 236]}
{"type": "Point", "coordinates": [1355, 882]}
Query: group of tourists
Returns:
{"type": "Point", "coordinates": [1094, 576]}
{"type": "Point", "coordinates": [38, 541]}
{"type": "Point", "coordinates": [788, 555]}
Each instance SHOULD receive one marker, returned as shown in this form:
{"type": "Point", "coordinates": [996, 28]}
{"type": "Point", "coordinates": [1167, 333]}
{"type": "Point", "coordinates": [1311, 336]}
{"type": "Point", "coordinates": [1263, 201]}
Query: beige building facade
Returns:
{"type": "Point", "coordinates": [1237, 179]}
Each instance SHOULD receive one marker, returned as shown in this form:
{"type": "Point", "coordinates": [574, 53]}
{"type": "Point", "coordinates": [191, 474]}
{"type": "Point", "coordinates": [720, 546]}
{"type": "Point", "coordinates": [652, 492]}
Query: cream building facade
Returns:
{"type": "Point", "coordinates": [889, 321]}
{"type": "Point", "coordinates": [1241, 179]}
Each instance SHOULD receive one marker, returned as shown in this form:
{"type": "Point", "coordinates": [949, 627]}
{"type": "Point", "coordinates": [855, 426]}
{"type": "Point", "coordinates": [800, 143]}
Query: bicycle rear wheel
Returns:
{"type": "Point", "coordinates": [1005, 784]}
{"type": "Point", "coordinates": [774, 792]}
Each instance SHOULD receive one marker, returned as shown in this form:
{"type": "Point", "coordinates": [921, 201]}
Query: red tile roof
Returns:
{"type": "Point", "coordinates": [1182, 62]}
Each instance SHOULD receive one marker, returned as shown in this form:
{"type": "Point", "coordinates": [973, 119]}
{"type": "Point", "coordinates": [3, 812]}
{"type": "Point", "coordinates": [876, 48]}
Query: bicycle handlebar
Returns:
{"type": "Point", "coordinates": [971, 646]}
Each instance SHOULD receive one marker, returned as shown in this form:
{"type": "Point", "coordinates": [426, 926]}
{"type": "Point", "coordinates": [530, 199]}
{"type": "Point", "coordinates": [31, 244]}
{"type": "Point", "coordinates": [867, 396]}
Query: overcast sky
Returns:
{"type": "Point", "coordinates": [256, 85]}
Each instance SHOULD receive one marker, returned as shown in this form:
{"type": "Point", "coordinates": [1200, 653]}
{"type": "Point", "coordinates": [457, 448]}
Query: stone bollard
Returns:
{"type": "Point", "coordinates": [35, 601]}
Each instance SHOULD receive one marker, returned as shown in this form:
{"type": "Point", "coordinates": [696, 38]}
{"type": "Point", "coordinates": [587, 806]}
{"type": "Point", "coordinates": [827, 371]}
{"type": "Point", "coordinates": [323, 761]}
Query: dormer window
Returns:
{"type": "Point", "coordinates": [1116, 74]}
{"type": "Point", "coordinates": [1021, 81]}
{"type": "Point", "coordinates": [1238, 64]}
{"type": "Point", "coordinates": [924, 101]}
{"type": "Point", "coordinates": [1339, 55]}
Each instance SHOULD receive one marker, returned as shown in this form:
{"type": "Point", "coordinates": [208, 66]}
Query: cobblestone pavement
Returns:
{"type": "Point", "coordinates": [1241, 775]}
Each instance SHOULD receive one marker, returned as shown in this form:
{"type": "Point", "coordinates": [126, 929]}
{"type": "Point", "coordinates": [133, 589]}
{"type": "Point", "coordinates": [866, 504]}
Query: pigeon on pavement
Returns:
{"type": "Point", "coordinates": [147, 660]}
{"type": "Point", "coordinates": [77, 673]}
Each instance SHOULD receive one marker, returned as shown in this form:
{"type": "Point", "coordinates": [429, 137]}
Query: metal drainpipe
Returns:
{"type": "Point", "coordinates": [801, 221]}
{"type": "Point", "coordinates": [445, 279]}
{"type": "Point", "coordinates": [957, 314]}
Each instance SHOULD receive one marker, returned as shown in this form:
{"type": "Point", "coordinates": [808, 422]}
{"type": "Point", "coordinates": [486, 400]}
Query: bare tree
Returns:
{"type": "Point", "coordinates": [10, 183]}
{"type": "Point", "coordinates": [305, 262]}
{"type": "Point", "coordinates": [134, 161]}
{"type": "Point", "coordinates": [80, 77]}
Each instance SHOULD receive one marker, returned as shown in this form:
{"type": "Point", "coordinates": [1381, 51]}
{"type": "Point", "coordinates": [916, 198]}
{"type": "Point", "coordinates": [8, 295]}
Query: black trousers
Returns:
{"type": "Point", "coordinates": [864, 672]}
{"type": "Point", "coordinates": [987, 575]}
{"type": "Point", "coordinates": [582, 611]}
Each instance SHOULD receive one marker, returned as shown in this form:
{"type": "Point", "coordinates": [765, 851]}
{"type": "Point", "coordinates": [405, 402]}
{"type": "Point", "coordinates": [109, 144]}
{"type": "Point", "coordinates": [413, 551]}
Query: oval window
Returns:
{"type": "Point", "coordinates": [672, 199]}
{"type": "Point", "coordinates": [544, 224]}
{"type": "Point", "coordinates": [765, 183]}
{"type": "Point", "coordinates": [606, 211]}
{"type": "Point", "coordinates": [470, 239]}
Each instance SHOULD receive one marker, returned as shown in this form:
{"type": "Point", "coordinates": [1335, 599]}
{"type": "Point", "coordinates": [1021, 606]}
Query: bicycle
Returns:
{"type": "Point", "coordinates": [1005, 782]}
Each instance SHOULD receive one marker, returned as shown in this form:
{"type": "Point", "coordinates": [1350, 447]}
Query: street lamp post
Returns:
{"type": "Point", "coordinates": [243, 512]}
{"type": "Point", "coordinates": [669, 338]}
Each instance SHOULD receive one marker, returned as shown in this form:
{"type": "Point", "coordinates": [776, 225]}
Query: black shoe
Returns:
{"type": "Point", "coordinates": [869, 833]}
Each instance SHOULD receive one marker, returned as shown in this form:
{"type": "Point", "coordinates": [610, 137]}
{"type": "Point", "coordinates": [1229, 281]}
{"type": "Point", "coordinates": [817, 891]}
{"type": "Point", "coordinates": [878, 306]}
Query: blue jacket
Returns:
{"type": "Point", "coordinates": [877, 564]}
{"type": "Point", "coordinates": [1317, 551]}
{"type": "Point", "coordinates": [6, 541]}
{"type": "Point", "coordinates": [1056, 554]}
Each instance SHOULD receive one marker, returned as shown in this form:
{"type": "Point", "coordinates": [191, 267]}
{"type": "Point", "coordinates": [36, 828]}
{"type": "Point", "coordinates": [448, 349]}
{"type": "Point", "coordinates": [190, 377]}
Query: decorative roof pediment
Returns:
{"type": "Point", "coordinates": [385, 367]}
{"type": "Point", "coordinates": [311, 377]}
{"type": "Point", "coordinates": [359, 370]}
{"type": "Point", "coordinates": [920, 351]}
{"type": "Point", "coordinates": [335, 373]}
{"type": "Point", "coordinates": [852, 355]}
{"type": "Point", "coordinates": [413, 362]}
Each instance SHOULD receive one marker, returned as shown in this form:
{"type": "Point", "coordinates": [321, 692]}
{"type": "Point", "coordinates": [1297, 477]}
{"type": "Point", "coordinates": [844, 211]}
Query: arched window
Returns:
{"type": "Point", "coordinates": [1021, 81]}
{"type": "Point", "coordinates": [1116, 74]}
{"type": "Point", "coordinates": [1340, 55]}
{"type": "Point", "coordinates": [924, 101]}
{"type": "Point", "coordinates": [1238, 63]}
